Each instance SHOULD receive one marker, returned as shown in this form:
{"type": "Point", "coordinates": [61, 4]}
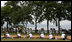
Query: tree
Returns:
{"type": "Point", "coordinates": [5, 12]}
{"type": "Point", "coordinates": [67, 5]}
{"type": "Point", "coordinates": [48, 12]}
{"type": "Point", "coordinates": [14, 7]}
{"type": "Point", "coordinates": [37, 11]}
{"type": "Point", "coordinates": [60, 13]}
{"type": "Point", "coordinates": [20, 12]}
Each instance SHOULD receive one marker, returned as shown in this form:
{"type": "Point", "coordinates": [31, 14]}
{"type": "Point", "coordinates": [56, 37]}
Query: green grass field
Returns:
{"type": "Point", "coordinates": [33, 39]}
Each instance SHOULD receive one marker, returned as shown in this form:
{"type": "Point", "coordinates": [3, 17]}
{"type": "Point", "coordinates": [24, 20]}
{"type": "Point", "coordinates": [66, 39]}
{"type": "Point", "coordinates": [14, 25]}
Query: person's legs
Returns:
{"type": "Point", "coordinates": [7, 37]}
{"type": "Point", "coordinates": [30, 37]}
{"type": "Point", "coordinates": [61, 38]}
{"type": "Point", "coordinates": [42, 37]}
{"type": "Point", "coordinates": [4, 31]}
{"type": "Point", "coordinates": [19, 37]}
{"type": "Point", "coordinates": [65, 37]}
{"type": "Point", "coordinates": [49, 38]}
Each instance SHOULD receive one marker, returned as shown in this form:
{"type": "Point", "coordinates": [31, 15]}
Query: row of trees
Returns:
{"type": "Point", "coordinates": [23, 11]}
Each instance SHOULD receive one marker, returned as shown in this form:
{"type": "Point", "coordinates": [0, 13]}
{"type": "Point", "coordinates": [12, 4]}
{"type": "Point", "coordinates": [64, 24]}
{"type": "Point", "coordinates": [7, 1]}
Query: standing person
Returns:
{"type": "Point", "coordinates": [42, 30]}
{"type": "Point", "coordinates": [19, 29]}
{"type": "Point", "coordinates": [5, 27]}
{"type": "Point", "coordinates": [42, 35]}
{"type": "Point", "coordinates": [63, 36]}
{"type": "Point", "coordinates": [16, 29]}
{"type": "Point", "coordinates": [50, 31]}
{"type": "Point", "coordinates": [54, 33]}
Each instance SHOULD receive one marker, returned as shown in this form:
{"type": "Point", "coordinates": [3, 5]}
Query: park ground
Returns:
{"type": "Point", "coordinates": [33, 39]}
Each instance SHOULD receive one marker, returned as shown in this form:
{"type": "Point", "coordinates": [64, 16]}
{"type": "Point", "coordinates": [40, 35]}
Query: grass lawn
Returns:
{"type": "Point", "coordinates": [33, 39]}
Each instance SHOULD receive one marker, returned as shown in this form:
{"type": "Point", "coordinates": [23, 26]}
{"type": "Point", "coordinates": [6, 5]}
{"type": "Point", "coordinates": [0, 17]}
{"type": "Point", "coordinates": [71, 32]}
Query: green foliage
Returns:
{"type": "Point", "coordinates": [23, 12]}
{"type": "Point", "coordinates": [5, 11]}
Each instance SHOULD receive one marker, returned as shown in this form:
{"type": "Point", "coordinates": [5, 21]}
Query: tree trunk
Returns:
{"type": "Point", "coordinates": [35, 25]}
{"type": "Point", "coordinates": [47, 26]}
{"type": "Point", "coordinates": [58, 26]}
{"type": "Point", "coordinates": [7, 27]}
{"type": "Point", "coordinates": [26, 24]}
{"type": "Point", "coordinates": [23, 25]}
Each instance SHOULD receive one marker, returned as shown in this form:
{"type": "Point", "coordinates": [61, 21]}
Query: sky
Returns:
{"type": "Point", "coordinates": [2, 3]}
{"type": "Point", "coordinates": [65, 24]}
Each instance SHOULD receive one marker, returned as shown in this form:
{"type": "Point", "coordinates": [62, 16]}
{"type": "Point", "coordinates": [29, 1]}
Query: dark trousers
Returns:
{"type": "Point", "coordinates": [19, 37]}
{"type": "Point", "coordinates": [63, 38]}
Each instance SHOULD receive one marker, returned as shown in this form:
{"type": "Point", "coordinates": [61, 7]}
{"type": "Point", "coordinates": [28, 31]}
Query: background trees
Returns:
{"type": "Point", "coordinates": [5, 12]}
{"type": "Point", "coordinates": [22, 11]}
{"type": "Point", "coordinates": [48, 9]}
{"type": "Point", "coordinates": [67, 5]}
{"type": "Point", "coordinates": [37, 11]}
{"type": "Point", "coordinates": [60, 13]}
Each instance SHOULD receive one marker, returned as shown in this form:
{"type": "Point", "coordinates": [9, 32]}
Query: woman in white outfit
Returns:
{"type": "Point", "coordinates": [7, 35]}
{"type": "Point", "coordinates": [30, 35]}
{"type": "Point", "coordinates": [18, 35]}
{"type": "Point", "coordinates": [5, 26]}
{"type": "Point", "coordinates": [63, 36]}
{"type": "Point", "coordinates": [42, 35]}
{"type": "Point", "coordinates": [50, 36]}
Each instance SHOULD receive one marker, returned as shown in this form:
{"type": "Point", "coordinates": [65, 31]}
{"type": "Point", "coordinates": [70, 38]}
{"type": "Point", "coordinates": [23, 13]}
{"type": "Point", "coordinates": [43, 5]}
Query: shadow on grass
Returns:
{"type": "Point", "coordinates": [33, 39]}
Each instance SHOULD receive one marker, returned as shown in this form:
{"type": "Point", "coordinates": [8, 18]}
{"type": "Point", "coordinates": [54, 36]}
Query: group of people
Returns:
{"type": "Point", "coordinates": [53, 33]}
{"type": "Point", "coordinates": [51, 36]}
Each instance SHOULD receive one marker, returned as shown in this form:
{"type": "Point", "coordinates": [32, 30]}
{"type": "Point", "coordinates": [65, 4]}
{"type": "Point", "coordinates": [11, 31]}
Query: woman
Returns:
{"type": "Point", "coordinates": [54, 33]}
{"type": "Point", "coordinates": [18, 35]}
{"type": "Point", "coordinates": [7, 35]}
{"type": "Point", "coordinates": [63, 36]}
{"type": "Point", "coordinates": [30, 35]}
{"type": "Point", "coordinates": [42, 35]}
{"type": "Point", "coordinates": [50, 36]}
{"type": "Point", "coordinates": [5, 28]}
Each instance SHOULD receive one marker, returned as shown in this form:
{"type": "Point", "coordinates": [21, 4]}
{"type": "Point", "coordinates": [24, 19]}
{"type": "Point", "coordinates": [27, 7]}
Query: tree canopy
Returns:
{"type": "Point", "coordinates": [22, 11]}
